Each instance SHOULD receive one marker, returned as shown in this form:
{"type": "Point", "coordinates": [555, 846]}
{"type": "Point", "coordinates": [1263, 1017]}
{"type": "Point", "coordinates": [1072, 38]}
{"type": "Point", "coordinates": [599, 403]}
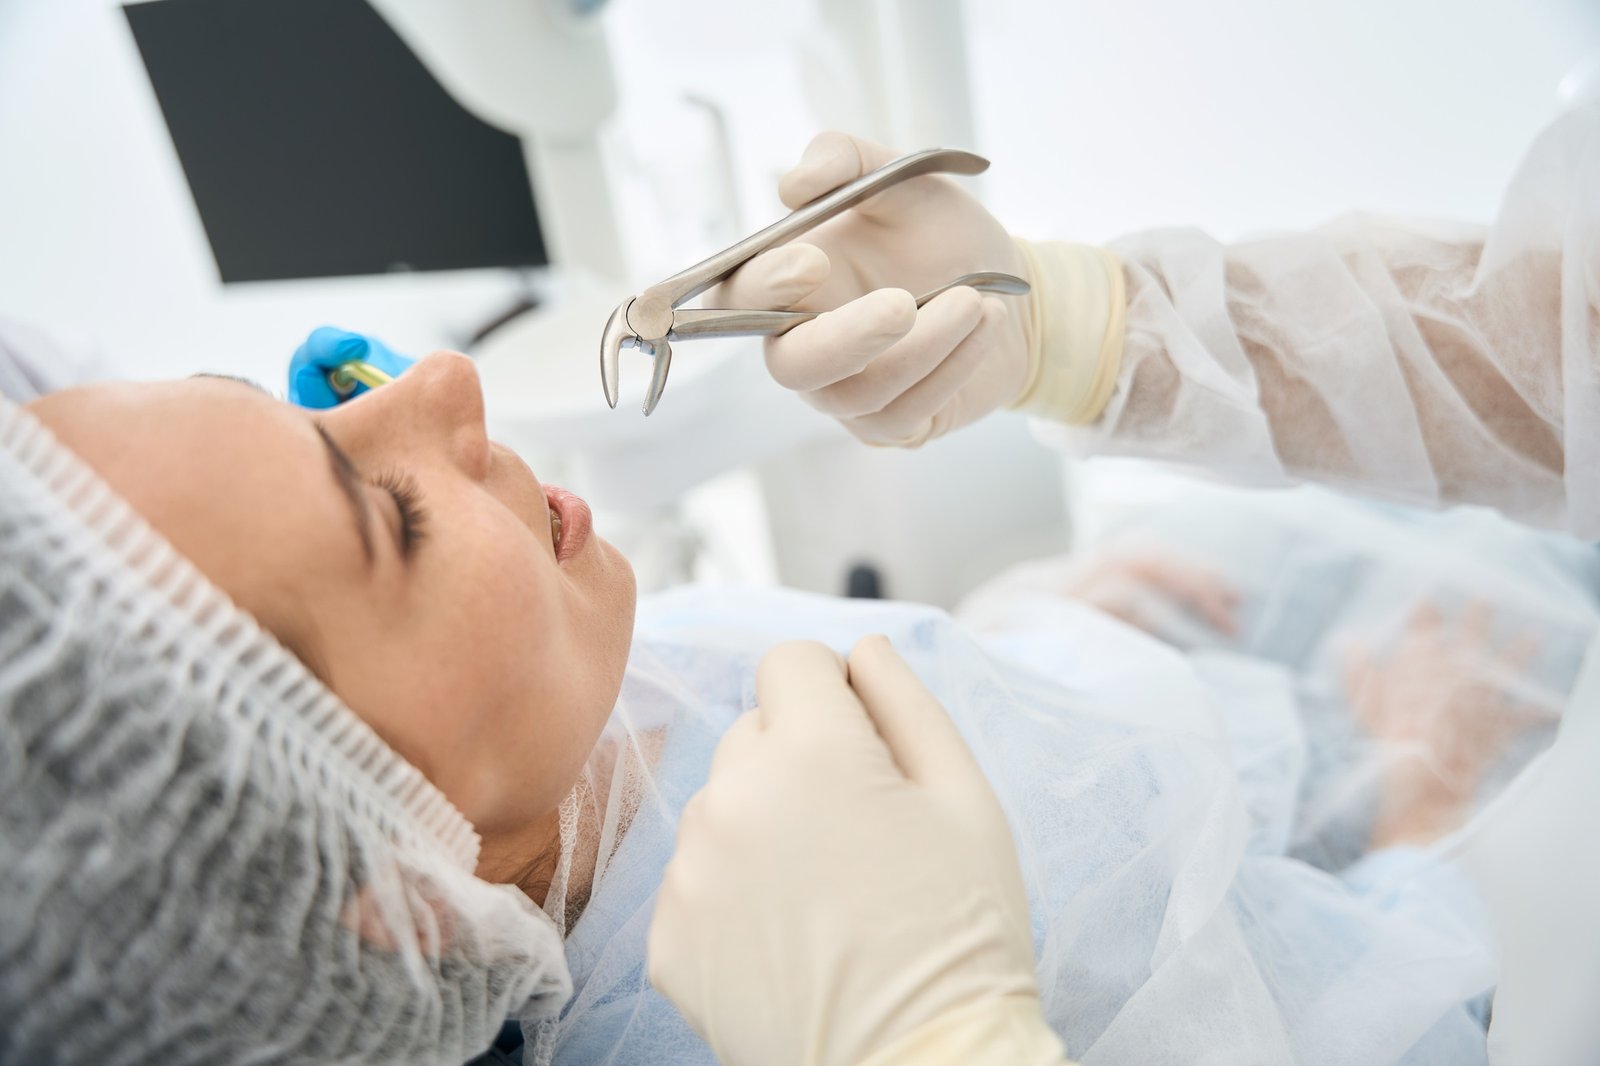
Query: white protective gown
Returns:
{"type": "Point", "coordinates": [1424, 363]}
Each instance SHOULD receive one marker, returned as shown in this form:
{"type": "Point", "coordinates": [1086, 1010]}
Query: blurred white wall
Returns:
{"type": "Point", "coordinates": [1243, 115]}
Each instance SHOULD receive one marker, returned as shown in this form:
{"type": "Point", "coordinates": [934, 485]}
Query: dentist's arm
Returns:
{"type": "Point", "coordinates": [845, 889]}
{"type": "Point", "coordinates": [1417, 362]}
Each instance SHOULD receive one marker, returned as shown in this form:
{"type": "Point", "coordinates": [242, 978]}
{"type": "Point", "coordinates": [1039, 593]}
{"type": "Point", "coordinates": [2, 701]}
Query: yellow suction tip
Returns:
{"type": "Point", "coordinates": [346, 376]}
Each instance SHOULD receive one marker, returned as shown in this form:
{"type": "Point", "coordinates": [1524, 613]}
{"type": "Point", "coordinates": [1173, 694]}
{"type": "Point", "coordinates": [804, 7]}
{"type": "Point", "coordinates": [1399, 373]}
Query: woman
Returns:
{"type": "Point", "coordinates": [354, 538]}
{"type": "Point", "coordinates": [205, 856]}
{"type": "Point", "coordinates": [481, 629]}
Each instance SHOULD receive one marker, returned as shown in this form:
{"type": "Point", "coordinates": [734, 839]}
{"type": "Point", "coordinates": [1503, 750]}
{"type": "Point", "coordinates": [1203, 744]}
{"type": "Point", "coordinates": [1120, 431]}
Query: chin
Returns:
{"type": "Point", "coordinates": [626, 584]}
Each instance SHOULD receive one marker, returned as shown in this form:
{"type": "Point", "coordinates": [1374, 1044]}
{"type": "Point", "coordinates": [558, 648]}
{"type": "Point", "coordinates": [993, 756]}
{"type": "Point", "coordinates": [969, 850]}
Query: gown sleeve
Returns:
{"type": "Point", "coordinates": [1423, 363]}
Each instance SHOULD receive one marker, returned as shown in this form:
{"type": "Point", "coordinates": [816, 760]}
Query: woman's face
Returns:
{"type": "Point", "coordinates": [406, 559]}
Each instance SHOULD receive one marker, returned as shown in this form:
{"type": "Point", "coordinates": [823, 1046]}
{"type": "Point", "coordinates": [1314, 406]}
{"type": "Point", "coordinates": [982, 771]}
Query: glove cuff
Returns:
{"type": "Point", "coordinates": [1075, 324]}
{"type": "Point", "coordinates": [997, 1031]}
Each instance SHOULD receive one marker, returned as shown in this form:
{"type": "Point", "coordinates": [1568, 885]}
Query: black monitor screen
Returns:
{"type": "Point", "coordinates": [315, 144]}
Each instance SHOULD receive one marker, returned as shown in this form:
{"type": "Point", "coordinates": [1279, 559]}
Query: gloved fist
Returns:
{"type": "Point", "coordinates": [896, 375]}
{"type": "Point", "coordinates": [845, 885]}
{"type": "Point", "coordinates": [327, 349]}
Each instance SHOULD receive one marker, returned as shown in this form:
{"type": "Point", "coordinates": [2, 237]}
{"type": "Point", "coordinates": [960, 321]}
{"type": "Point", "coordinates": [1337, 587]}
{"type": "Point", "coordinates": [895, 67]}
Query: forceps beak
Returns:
{"type": "Point", "coordinates": [619, 332]}
{"type": "Point", "coordinates": [611, 340]}
{"type": "Point", "coordinates": [660, 362]}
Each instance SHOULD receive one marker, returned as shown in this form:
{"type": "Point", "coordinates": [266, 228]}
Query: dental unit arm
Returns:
{"type": "Point", "coordinates": [540, 69]}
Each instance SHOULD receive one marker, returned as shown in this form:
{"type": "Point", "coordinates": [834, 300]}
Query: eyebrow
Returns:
{"type": "Point", "coordinates": [256, 385]}
{"type": "Point", "coordinates": [344, 469]}
{"type": "Point", "coordinates": [349, 481]}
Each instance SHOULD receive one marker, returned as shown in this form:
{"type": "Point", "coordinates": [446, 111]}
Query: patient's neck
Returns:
{"type": "Point", "coordinates": [525, 857]}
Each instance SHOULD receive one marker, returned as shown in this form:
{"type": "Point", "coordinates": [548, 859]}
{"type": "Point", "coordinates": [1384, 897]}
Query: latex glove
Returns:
{"type": "Point", "coordinates": [895, 375]}
{"type": "Point", "coordinates": [845, 887]}
{"type": "Point", "coordinates": [324, 351]}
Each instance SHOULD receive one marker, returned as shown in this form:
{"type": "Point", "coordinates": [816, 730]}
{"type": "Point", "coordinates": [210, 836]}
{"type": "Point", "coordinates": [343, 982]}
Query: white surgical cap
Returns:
{"type": "Point", "coordinates": [204, 855]}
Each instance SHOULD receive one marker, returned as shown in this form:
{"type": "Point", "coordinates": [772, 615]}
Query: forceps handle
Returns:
{"type": "Point", "coordinates": [711, 322]}
{"type": "Point", "coordinates": [697, 279]}
{"type": "Point", "coordinates": [715, 322]}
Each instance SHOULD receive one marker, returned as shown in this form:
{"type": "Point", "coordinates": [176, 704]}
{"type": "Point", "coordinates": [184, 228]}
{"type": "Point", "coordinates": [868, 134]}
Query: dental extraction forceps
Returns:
{"type": "Point", "coordinates": [652, 320]}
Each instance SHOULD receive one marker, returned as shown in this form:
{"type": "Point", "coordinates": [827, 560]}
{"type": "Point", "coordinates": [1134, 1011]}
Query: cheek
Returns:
{"type": "Point", "coordinates": [615, 612]}
{"type": "Point", "coordinates": [537, 659]}
{"type": "Point", "coordinates": [501, 668]}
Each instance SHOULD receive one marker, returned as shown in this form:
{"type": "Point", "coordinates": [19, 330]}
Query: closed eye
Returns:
{"type": "Point", "coordinates": [402, 488]}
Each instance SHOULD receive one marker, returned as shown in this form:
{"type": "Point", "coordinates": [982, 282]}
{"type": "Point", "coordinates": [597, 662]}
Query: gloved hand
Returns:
{"type": "Point", "coordinates": [327, 349]}
{"type": "Point", "coordinates": [895, 375]}
{"type": "Point", "coordinates": [845, 888]}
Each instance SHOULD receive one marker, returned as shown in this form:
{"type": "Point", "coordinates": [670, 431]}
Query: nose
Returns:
{"type": "Point", "coordinates": [436, 406]}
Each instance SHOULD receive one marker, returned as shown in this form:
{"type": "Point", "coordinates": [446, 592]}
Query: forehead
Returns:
{"type": "Point", "coordinates": [178, 409]}
{"type": "Point", "coordinates": [201, 457]}
{"type": "Point", "coordinates": [237, 482]}
{"type": "Point", "coordinates": [203, 424]}
{"type": "Point", "coordinates": [211, 403]}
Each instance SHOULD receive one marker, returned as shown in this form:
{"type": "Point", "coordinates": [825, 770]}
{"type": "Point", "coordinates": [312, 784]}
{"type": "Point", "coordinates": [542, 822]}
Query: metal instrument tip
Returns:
{"type": "Point", "coordinates": [660, 363]}
{"type": "Point", "coordinates": [611, 340]}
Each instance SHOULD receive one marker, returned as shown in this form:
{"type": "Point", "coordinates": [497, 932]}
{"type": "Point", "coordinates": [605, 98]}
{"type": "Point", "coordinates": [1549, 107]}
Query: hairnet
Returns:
{"type": "Point", "coordinates": [1155, 798]}
{"type": "Point", "coordinates": [204, 856]}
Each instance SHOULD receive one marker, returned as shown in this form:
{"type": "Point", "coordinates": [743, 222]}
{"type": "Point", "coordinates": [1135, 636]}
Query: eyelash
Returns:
{"type": "Point", "coordinates": [408, 499]}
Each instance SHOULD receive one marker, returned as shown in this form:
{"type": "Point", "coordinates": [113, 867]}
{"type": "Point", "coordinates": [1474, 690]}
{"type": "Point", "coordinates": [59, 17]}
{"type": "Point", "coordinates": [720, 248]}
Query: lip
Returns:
{"type": "Point", "coordinates": [576, 521]}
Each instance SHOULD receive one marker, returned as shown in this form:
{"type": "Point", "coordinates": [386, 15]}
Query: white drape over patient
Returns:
{"type": "Point", "coordinates": [1196, 875]}
{"type": "Point", "coordinates": [204, 856]}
